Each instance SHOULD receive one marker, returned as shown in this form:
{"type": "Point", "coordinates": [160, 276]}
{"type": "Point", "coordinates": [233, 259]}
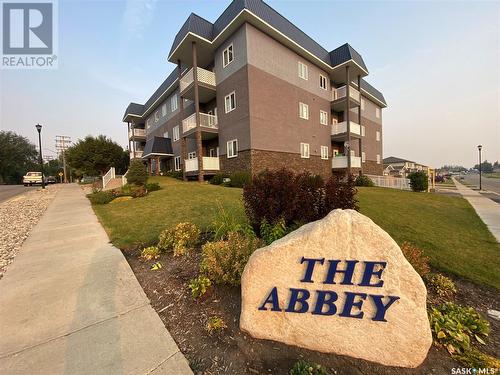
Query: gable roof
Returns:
{"type": "Point", "coordinates": [393, 159]}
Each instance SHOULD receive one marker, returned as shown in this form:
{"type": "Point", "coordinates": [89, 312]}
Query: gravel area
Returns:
{"type": "Point", "coordinates": [17, 217]}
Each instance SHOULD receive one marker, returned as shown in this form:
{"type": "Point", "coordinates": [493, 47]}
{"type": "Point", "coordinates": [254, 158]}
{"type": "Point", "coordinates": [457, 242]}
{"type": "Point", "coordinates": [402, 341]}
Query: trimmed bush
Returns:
{"type": "Point", "coordinates": [306, 368]}
{"type": "Point", "coordinates": [150, 253]}
{"type": "Point", "coordinates": [416, 258]}
{"type": "Point", "coordinates": [223, 261]}
{"type": "Point", "coordinates": [180, 239]}
{"type": "Point", "coordinates": [101, 197]}
{"type": "Point", "coordinates": [152, 186]}
{"type": "Point", "coordinates": [363, 180]}
{"type": "Point", "coordinates": [239, 179]}
{"type": "Point", "coordinates": [443, 286]}
{"type": "Point", "coordinates": [218, 179]}
{"type": "Point", "coordinates": [174, 174]}
{"type": "Point", "coordinates": [139, 191]}
{"type": "Point", "coordinates": [418, 181]}
{"type": "Point", "coordinates": [137, 174]}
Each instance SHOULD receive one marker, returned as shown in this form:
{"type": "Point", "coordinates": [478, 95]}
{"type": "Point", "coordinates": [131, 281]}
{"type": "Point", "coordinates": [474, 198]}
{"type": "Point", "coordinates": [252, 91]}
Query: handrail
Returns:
{"type": "Point", "coordinates": [108, 177]}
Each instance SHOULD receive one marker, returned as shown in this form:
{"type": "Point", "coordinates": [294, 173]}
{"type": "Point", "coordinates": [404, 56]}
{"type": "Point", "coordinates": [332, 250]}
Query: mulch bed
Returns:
{"type": "Point", "coordinates": [234, 352]}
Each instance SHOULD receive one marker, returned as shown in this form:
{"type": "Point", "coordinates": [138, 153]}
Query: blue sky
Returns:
{"type": "Point", "coordinates": [437, 63]}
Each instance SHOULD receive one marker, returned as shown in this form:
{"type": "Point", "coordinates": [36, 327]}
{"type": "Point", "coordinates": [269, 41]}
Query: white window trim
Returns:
{"type": "Point", "coordinates": [177, 163]}
{"type": "Point", "coordinates": [306, 107]}
{"type": "Point", "coordinates": [192, 155]}
{"type": "Point", "coordinates": [303, 68]}
{"type": "Point", "coordinates": [303, 148]}
{"type": "Point", "coordinates": [324, 152]}
{"type": "Point", "coordinates": [225, 102]}
{"type": "Point", "coordinates": [164, 109]}
{"type": "Point", "coordinates": [157, 116]}
{"type": "Point", "coordinates": [363, 130]}
{"type": "Point", "coordinates": [377, 112]}
{"type": "Point", "coordinates": [377, 136]}
{"type": "Point", "coordinates": [232, 55]}
{"type": "Point", "coordinates": [326, 117]}
{"type": "Point", "coordinates": [378, 159]}
{"type": "Point", "coordinates": [174, 103]}
{"type": "Point", "coordinates": [176, 133]}
{"type": "Point", "coordinates": [363, 157]}
{"type": "Point", "coordinates": [234, 148]}
{"type": "Point", "coordinates": [326, 82]}
{"type": "Point", "coordinates": [362, 104]}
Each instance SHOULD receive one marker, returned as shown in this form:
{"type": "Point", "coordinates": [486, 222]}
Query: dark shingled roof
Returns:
{"type": "Point", "coordinates": [372, 91]}
{"type": "Point", "coordinates": [345, 53]}
{"type": "Point", "coordinates": [393, 159]}
{"type": "Point", "coordinates": [134, 109]}
{"type": "Point", "coordinates": [158, 145]}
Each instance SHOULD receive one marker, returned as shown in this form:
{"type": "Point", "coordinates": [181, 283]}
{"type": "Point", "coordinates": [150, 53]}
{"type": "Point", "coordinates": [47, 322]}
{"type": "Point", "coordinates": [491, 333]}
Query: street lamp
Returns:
{"type": "Point", "coordinates": [39, 129]}
{"type": "Point", "coordinates": [480, 168]}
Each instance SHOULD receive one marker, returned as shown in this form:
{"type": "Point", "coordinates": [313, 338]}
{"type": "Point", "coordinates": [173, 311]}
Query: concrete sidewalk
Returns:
{"type": "Point", "coordinates": [70, 304]}
{"type": "Point", "coordinates": [487, 210]}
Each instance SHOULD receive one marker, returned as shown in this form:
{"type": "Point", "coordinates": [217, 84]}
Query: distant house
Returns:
{"type": "Point", "coordinates": [399, 167]}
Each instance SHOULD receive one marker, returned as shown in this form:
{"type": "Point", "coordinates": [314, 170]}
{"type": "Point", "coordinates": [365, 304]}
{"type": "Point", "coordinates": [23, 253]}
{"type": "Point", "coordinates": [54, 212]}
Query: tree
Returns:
{"type": "Point", "coordinates": [137, 174]}
{"type": "Point", "coordinates": [418, 181]}
{"type": "Point", "coordinates": [486, 167]}
{"type": "Point", "coordinates": [94, 155]}
{"type": "Point", "coordinates": [17, 156]}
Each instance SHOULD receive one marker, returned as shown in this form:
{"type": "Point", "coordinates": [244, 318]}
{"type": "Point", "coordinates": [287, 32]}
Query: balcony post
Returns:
{"type": "Point", "coordinates": [128, 138]}
{"type": "Point", "coordinates": [359, 122]}
{"type": "Point", "coordinates": [133, 140]}
{"type": "Point", "coordinates": [347, 117]}
{"type": "Point", "coordinates": [199, 150]}
{"type": "Point", "coordinates": [181, 116]}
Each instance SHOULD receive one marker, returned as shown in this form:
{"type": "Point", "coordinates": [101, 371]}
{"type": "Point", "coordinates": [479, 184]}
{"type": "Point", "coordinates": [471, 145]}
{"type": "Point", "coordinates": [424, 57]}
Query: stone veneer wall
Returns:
{"type": "Point", "coordinates": [371, 167]}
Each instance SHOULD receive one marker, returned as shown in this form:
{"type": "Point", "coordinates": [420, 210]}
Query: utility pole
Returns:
{"type": "Point", "coordinates": [62, 144]}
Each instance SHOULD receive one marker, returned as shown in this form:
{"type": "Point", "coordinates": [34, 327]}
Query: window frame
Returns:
{"type": "Point", "coordinates": [378, 158]}
{"type": "Point", "coordinates": [325, 155]}
{"type": "Point", "coordinates": [227, 49]}
{"type": "Point", "coordinates": [164, 109]}
{"type": "Point", "coordinates": [303, 71]}
{"type": "Point", "coordinates": [377, 112]}
{"type": "Point", "coordinates": [321, 112]}
{"type": "Point", "coordinates": [363, 157]}
{"type": "Point", "coordinates": [378, 136]}
{"type": "Point", "coordinates": [363, 131]}
{"type": "Point", "coordinates": [177, 160]}
{"type": "Point", "coordinates": [191, 155]}
{"type": "Point", "coordinates": [362, 104]}
{"type": "Point", "coordinates": [321, 78]}
{"type": "Point", "coordinates": [157, 116]}
{"type": "Point", "coordinates": [176, 133]}
{"type": "Point", "coordinates": [303, 148]}
{"type": "Point", "coordinates": [225, 102]}
{"type": "Point", "coordinates": [233, 148]}
{"type": "Point", "coordinates": [174, 104]}
{"type": "Point", "coordinates": [306, 107]}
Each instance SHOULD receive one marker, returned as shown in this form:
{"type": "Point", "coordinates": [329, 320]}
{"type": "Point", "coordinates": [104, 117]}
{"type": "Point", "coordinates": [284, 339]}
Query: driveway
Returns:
{"type": "Point", "coordinates": [9, 191]}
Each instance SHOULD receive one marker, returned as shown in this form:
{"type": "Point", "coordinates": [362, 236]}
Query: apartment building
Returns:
{"type": "Point", "coordinates": [252, 91]}
{"type": "Point", "coordinates": [398, 167]}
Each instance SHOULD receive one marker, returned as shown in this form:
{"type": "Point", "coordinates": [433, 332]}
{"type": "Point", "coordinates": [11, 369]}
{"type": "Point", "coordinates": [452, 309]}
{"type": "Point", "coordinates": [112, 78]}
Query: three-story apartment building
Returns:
{"type": "Point", "coordinates": [252, 91]}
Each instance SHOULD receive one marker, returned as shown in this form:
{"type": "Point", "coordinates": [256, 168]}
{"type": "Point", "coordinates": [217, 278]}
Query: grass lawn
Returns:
{"type": "Point", "coordinates": [446, 228]}
{"type": "Point", "coordinates": [492, 175]}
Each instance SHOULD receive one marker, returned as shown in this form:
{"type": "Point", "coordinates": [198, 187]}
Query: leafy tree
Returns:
{"type": "Point", "coordinates": [486, 167]}
{"type": "Point", "coordinates": [52, 167]}
{"type": "Point", "coordinates": [137, 173]}
{"type": "Point", "coordinates": [418, 181]}
{"type": "Point", "coordinates": [95, 155]}
{"type": "Point", "coordinates": [17, 156]}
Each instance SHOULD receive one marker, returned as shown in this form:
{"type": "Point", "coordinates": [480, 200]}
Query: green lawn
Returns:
{"type": "Point", "coordinates": [492, 175]}
{"type": "Point", "coordinates": [446, 228]}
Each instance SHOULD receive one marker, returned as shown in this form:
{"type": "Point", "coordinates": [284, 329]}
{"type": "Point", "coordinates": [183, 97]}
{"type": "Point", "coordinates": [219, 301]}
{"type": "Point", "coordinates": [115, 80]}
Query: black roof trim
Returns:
{"type": "Point", "coordinates": [134, 109]}
{"type": "Point", "coordinates": [158, 146]}
{"type": "Point", "coordinates": [345, 53]}
{"type": "Point", "coordinates": [373, 91]}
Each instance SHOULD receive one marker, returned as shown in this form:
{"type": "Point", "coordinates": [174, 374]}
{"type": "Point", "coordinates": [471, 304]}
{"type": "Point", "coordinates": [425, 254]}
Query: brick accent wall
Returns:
{"type": "Point", "coordinates": [239, 163]}
{"type": "Point", "coordinates": [371, 167]}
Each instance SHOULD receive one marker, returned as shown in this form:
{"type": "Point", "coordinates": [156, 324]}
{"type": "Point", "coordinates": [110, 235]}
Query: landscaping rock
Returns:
{"type": "Point", "coordinates": [338, 285]}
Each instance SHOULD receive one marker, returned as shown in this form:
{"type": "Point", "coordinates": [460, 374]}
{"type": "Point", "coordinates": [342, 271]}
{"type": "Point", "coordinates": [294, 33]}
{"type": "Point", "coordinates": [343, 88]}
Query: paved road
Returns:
{"type": "Point", "coordinates": [492, 184]}
{"type": "Point", "coordinates": [9, 191]}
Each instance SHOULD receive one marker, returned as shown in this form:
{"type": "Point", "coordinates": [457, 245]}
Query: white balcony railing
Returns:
{"type": "Point", "coordinates": [341, 162]}
{"type": "Point", "coordinates": [138, 154]}
{"type": "Point", "coordinates": [206, 121]}
{"type": "Point", "coordinates": [204, 76]}
{"type": "Point", "coordinates": [137, 133]}
{"type": "Point", "coordinates": [209, 163]}
{"type": "Point", "coordinates": [341, 128]}
{"type": "Point", "coordinates": [108, 177]}
{"type": "Point", "coordinates": [341, 92]}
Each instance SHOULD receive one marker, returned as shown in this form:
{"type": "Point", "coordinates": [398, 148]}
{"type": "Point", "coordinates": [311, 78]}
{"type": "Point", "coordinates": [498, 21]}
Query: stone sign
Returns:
{"type": "Point", "coordinates": [338, 285]}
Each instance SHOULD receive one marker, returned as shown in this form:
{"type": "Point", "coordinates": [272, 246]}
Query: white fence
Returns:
{"type": "Point", "coordinates": [108, 177]}
{"type": "Point", "coordinates": [391, 182]}
{"type": "Point", "coordinates": [209, 163]}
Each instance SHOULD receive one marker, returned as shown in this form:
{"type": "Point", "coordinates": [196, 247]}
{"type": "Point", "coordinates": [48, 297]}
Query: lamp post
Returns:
{"type": "Point", "coordinates": [39, 129]}
{"type": "Point", "coordinates": [480, 167]}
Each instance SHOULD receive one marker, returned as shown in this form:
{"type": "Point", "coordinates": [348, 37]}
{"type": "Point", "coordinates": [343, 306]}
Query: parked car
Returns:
{"type": "Point", "coordinates": [50, 180]}
{"type": "Point", "coordinates": [32, 178]}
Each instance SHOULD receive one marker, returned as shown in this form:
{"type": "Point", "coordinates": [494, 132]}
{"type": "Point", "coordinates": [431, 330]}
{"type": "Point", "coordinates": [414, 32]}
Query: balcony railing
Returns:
{"type": "Point", "coordinates": [206, 121]}
{"type": "Point", "coordinates": [341, 128]}
{"type": "Point", "coordinates": [209, 164]}
{"type": "Point", "coordinates": [138, 154]}
{"type": "Point", "coordinates": [341, 162]}
{"type": "Point", "coordinates": [137, 133]}
{"type": "Point", "coordinates": [341, 92]}
{"type": "Point", "coordinates": [204, 76]}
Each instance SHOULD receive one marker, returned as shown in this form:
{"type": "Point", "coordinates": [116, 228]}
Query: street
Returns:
{"type": "Point", "coordinates": [9, 191]}
{"type": "Point", "coordinates": [491, 184]}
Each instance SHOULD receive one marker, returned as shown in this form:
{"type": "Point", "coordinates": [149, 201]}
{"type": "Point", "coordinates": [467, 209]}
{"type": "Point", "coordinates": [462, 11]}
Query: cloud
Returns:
{"type": "Point", "coordinates": [137, 17]}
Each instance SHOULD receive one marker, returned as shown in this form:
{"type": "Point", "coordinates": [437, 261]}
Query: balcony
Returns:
{"type": "Point", "coordinates": [206, 85]}
{"type": "Point", "coordinates": [138, 154]}
{"type": "Point", "coordinates": [209, 164]}
{"type": "Point", "coordinates": [339, 96]}
{"type": "Point", "coordinates": [339, 131]}
{"type": "Point", "coordinates": [137, 133]}
{"type": "Point", "coordinates": [208, 125]}
{"type": "Point", "coordinates": [339, 162]}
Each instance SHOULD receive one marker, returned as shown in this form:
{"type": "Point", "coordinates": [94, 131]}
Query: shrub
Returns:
{"type": "Point", "coordinates": [363, 180]}
{"type": "Point", "coordinates": [223, 261]}
{"type": "Point", "coordinates": [224, 222]}
{"type": "Point", "coordinates": [215, 324]}
{"type": "Point", "coordinates": [453, 326]}
{"type": "Point", "coordinates": [340, 193]}
{"type": "Point", "coordinates": [270, 233]}
{"type": "Point", "coordinates": [305, 368]}
{"type": "Point", "coordinates": [416, 258]}
{"type": "Point", "coordinates": [137, 174]}
{"type": "Point", "coordinates": [239, 179]}
{"type": "Point", "coordinates": [152, 186]}
{"type": "Point", "coordinates": [199, 286]}
{"type": "Point", "coordinates": [174, 174]}
{"type": "Point", "coordinates": [100, 197]}
{"type": "Point", "coordinates": [138, 191]}
{"type": "Point", "coordinates": [180, 239]}
{"type": "Point", "coordinates": [149, 253]}
{"type": "Point", "coordinates": [418, 181]}
{"type": "Point", "coordinates": [443, 286]}
{"type": "Point", "coordinates": [218, 179]}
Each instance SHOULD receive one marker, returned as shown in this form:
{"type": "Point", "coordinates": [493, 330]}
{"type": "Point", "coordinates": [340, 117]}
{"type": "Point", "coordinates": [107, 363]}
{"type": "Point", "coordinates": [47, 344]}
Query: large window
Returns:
{"type": "Point", "coordinates": [177, 163]}
{"type": "Point", "coordinates": [323, 117]}
{"type": "Point", "coordinates": [227, 55]}
{"type": "Point", "coordinates": [164, 110]}
{"type": "Point", "coordinates": [175, 130]}
{"type": "Point", "coordinates": [323, 83]}
{"type": "Point", "coordinates": [232, 148]}
{"type": "Point", "coordinates": [230, 102]}
{"type": "Point", "coordinates": [303, 71]}
{"type": "Point", "coordinates": [324, 152]}
{"type": "Point", "coordinates": [304, 150]}
{"type": "Point", "coordinates": [173, 102]}
{"type": "Point", "coordinates": [303, 111]}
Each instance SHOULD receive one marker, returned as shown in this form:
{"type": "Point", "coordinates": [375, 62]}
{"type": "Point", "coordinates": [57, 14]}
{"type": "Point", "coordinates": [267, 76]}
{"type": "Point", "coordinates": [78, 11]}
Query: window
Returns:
{"type": "Point", "coordinates": [378, 159]}
{"type": "Point", "coordinates": [362, 131]}
{"type": "Point", "coordinates": [304, 150]}
{"type": "Point", "coordinates": [232, 148]}
{"type": "Point", "coordinates": [173, 102]}
{"type": "Point", "coordinates": [230, 102]}
{"type": "Point", "coordinates": [227, 55]}
{"type": "Point", "coordinates": [177, 163]}
{"type": "Point", "coordinates": [148, 123]}
{"type": "Point", "coordinates": [157, 116]}
{"type": "Point", "coordinates": [213, 152]}
{"type": "Point", "coordinates": [164, 110]}
{"type": "Point", "coordinates": [323, 82]}
{"type": "Point", "coordinates": [378, 136]}
{"type": "Point", "coordinates": [323, 117]}
{"type": "Point", "coordinates": [303, 111]}
{"type": "Point", "coordinates": [324, 152]}
{"type": "Point", "coordinates": [176, 133]}
{"type": "Point", "coordinates": [303, 71]}
{"type": "Point", "coordinates": [377, 112]}
{"type": "Point", "coordinates": [362, 104]}
{"type": "Point", "coordinates": [165, 135]}
{"type": "Point", "coordinates": [363, 157]}
{"type": "Point", "coordinates": [192, 155]}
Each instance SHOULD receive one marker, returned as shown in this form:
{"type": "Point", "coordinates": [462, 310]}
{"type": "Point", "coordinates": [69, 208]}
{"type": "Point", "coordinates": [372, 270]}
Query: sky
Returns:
{"type": "Point", "coordinates": [436, 62]}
